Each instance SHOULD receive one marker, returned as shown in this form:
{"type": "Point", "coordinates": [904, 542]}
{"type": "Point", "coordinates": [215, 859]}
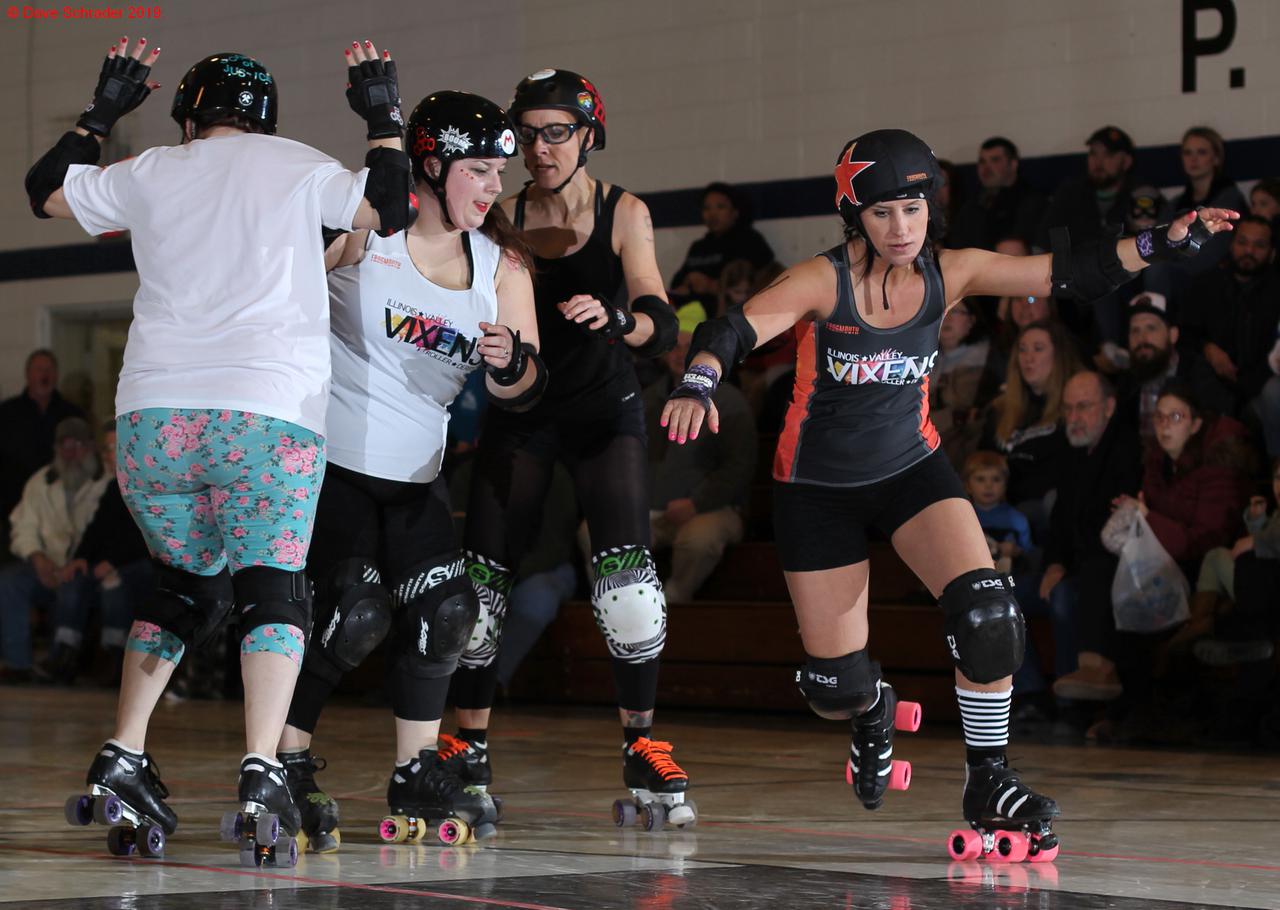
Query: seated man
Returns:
{"type": "Point", "coordinates": [698, 493]}
{"type": "Point", "coordinates": [57, 505]}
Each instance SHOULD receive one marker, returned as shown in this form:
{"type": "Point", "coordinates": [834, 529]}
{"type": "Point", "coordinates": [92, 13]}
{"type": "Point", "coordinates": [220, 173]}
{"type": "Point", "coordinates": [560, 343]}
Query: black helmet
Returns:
{"type": "Point", "coordinates": [227, 84]}
{"type": "Point", "coordinates": [562, 90]}
{"type": "Point", "coordinates": [881, 165]}
{"type": "Point", "coordinates": [453, 125]}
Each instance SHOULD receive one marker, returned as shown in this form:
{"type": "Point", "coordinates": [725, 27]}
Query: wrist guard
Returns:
{"type": "Point", "coordinates": [122, 86]}
{"type": "Point", "coordinates": [699, 383]}
{"type": "Point", "coordinates": [513, 372]}
{"type": "Point", "coordinates": [619, 323]}
{"type": "Point", "coordinates": [1154, 244]}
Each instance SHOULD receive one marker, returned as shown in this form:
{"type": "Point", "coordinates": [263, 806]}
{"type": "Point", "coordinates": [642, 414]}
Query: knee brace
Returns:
{"type": "Point", "coordinates": [268, 596]}
{"type": "Point", "coordinates": [492, 583]}
{"type": "Point", "coordinates": [840, 688]}
{"type": "Point", "coordinates": [189, 607]}
{"type": "Point", "coordinates": [355, 618]}
{"type": "Point", "coordinates": [438, 611]}
{"type": "Point", "coordinates": [628, 603]}
{"type": "Point", "coordinates": [984, 626]}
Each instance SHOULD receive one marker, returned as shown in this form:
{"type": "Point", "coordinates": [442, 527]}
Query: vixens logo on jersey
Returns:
{"type": "Point", "coordinates": [888, 367]}
{"type": "Point", "coordinates": [433, 337]}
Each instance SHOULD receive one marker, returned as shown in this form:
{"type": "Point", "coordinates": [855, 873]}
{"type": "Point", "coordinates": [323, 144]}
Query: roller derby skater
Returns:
{"type": "Point", "coordinates": [858, 450]}
{"type": "Point", "coordinates": [600, 302]}
{"type": "Point", "coordinates": [221, 480]}
{"type": "Point", "coordinates": [426, 794]}
{"type": "Point", "coordinates": [387, 561]}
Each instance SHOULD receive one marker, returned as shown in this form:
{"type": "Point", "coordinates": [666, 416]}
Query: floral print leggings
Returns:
{"type": "Point", "coordinates": [210, 488]}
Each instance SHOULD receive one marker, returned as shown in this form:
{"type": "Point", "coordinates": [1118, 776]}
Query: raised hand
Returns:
{"type": "Point", "coordinates": [122, 86]}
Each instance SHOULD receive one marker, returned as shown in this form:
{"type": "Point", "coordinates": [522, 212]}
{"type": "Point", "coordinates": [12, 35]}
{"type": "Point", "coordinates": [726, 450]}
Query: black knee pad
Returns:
{"type": "Point", "coordinates": [438, 611]}
{"type": "Point", "coordinates": [192, 607]}
{"type": "Point", "coordinates": [984, 626]}
{"type": "Point", "coordinates": [267, 595]}
{"type": "Point", "coordinates": [840, 688]}
{"type": "Point", "coordinates": [354, 618]}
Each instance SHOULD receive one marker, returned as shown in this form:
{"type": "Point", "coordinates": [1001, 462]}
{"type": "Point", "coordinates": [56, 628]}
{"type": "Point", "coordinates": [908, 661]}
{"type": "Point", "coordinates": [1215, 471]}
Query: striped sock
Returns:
{"type": "Point", "coordinates": [985, 716]}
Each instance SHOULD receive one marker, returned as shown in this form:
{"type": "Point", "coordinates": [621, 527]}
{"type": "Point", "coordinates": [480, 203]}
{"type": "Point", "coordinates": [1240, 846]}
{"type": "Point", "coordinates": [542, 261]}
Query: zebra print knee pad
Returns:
{"type": "Point", "coordinates": [492, 582]}
{"type": "Point", "coordinates": [628, 603]}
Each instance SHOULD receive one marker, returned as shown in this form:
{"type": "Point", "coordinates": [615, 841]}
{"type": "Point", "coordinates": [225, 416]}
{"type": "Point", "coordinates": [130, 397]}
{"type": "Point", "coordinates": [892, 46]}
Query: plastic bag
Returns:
{"type": "Point", "coordinates": [1149, 593]}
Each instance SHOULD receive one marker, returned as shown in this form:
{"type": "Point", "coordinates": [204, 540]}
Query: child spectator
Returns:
{"type": "Point", "coordinates": [986, 477]}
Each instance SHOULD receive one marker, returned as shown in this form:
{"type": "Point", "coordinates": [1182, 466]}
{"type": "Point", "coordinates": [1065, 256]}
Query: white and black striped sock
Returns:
{"type": "Point", "coordinates": [985, 716]}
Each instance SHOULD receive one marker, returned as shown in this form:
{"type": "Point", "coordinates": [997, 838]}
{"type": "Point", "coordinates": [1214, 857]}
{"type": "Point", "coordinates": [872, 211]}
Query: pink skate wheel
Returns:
{"type": "Point", "coordinates": [1044, 856]}
{"type": "Point", "coordinates": [848, 772]}
{"type": "Point", "coordinates": [900, 775]}
{"type": "Point", "coordinates": [964, 844]}
{"type": "Point", "coordinates": [453, 831]}
{"type": "Point", "coordinates": [393, 829]}
{"type": "Point", "coordinates": [907, 717]}
{"type": "Point", "coordinates": [1011, 847]}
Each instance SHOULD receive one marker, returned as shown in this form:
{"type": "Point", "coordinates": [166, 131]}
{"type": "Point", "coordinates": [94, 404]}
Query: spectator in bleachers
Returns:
{"type": "Point", "coordinates": [986, 479]}
{"type": "Point", "coordinates": [729, 236]}
{"type": "Point", "coordinates": [1264, 198]}
{"type": "Point", "coordinates": [1104, 463]}
{"type": "Point", "coordinates": [1024, 423]}
{"type": "Point", "coordinates": [1154, 358]}
{"type": "Point", "coordinates": [1231, 318]}
{"type": "Point", "coordinates": [1204, 157]}
{"type": "Point", "coordinates": [45, 527]}
{"type": "Point", "coordinates": [27, 421]}
{"type": "Point", "coordinates": [699, 493]}
{"type": "Point", "coordinates": [962, 382]}
{"type": "Point", "coordinates": [1110, 314]}
{"type": "Point", "coordinates": [1006, 207]}
{"type": "Point", "coordinates": [1084, 205]}
{"type": "Point", "coordinates": [111, 570]}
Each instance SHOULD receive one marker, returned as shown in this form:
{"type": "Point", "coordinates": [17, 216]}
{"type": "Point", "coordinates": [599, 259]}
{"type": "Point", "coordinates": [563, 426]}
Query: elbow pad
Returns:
{"type": "Point", "coordinates": [1089, 271]}
{"type": "Point", "coordinates": [48, 174]}
{"type": "Point", "coordinates": [729, 339]}
{"type": "Point", "coordinates": [530, 396]}
{"type": "Point", "coordinates": [666, 325]}
{"type": "Point", "coordinates": [389, 189]}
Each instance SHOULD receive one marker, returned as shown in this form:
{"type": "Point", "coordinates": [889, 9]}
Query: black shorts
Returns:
{"type": "Point", "coordinates": [817, 527]}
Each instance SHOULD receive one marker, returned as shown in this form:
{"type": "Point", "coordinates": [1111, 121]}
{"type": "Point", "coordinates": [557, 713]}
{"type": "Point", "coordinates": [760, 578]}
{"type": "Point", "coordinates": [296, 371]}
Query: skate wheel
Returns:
{"type": "Point", "coordinates": [1011, 847]}
{"type": "Point", "coordinates": [964, 844]}
{"type": "Point", "coordinates": [288, 851]}
{"type": "Point", "coordinates": [120, 841]}
{"type": "Point", "coordinates": [848, 772]}
{"type": "Point", "coordinates": [78, 810]}
{"type": "Point", "coordinates": [419, 831]}
{"type": "Point", "coordinates": [1038, 854]}
{"type": "Point", "coordinates": [900, 775]}
{"type": "Point", "coordinates": [453, 831]}
{"type": "Point", "coordinates": [907, 716]}
{"type": "Point", "coordinates": [684, 815]}
{"type": "Point", "coordinates": [231, 828]}
{"type": "Point", "coordinates": [653, 816]}
{"type": "Point", "coordinates": [393, 829]}
{"type": "Point", "coordinates": [108, 810]}
{"type": "Point", "coordinates": [150, 839]}
{"type": "Point", "coordinates": [497, 808]}
{"type": "Point", "coordinates": [485, 831]}
{"type": "Point", "coordinates": [267, 829]}
{"type": "Point", "coordinates": [624, 813]}
{"type": "Point", "coordinates": [248, 855]}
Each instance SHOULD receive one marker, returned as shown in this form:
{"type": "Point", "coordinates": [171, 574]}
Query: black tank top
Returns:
{"type": "Point", "coordinates": [587, 375]}
{"type": "Point", "coordinates": [860, 406]}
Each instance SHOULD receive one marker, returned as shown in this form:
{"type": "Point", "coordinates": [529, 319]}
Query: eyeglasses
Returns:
{"type": "Point", "coordinates": [552, 133]}
{"type": "Point", "coordinates": [1175, 417]}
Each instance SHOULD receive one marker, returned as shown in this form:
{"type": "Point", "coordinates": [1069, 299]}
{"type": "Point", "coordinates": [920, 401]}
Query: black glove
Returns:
{"type": "Point", "coordinates": [1154, 244]}
{"type": "Point", "coordinates": [619, 323]}
{"type": "Point", "coordinates": [373, 93]}
{"type": "Point", "coordinates": [122, 86]}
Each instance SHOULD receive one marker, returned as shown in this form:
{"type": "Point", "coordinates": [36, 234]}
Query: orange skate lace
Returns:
{"type": "Point", "coordinates": [658, 754]}
{"type": "Point", "coordinates": [449, 746]}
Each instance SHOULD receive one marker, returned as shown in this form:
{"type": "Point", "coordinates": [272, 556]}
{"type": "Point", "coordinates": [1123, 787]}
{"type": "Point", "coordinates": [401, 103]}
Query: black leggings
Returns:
{"type": "Point", "coordinates": [396, 526]}
{"type": "Point", "coordinates": [608, 461]}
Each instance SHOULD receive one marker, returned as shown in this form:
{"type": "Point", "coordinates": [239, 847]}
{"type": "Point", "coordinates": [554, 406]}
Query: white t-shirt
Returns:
{"type": "Point", "coordinates": [402, 350]}
{"type": "Point", "coordinates": [232, 311]}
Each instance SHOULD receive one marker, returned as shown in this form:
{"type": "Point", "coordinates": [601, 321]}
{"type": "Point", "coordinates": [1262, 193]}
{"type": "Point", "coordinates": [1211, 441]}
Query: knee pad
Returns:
{"type": "Point", "coordinates": [984, 626]}
{"type": "Point", "coordinates": [492, 583]}
{"type": "Point", "coordinates": [270, 596]}
{"type": "Point", "coordinates": [355, 619]}
{"type": "Point", "coordinates": [438, 611]}
{"type": "Point", "coordinates": [191, 607]}
{"type": "Point", "coordinates": [840, 688]}
{"type": "Point", "coordinates": [628, 603]}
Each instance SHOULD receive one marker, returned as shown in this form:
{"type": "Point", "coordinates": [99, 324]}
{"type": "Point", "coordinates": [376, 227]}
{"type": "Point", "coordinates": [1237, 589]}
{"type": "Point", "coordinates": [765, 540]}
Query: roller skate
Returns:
{"type": "Point", "coordinates": [470, 761]}
{"type": "Point", "coordinates": [1010, 822]}
{"type": "Point", "coordinates": [427, 794]}
{"type": "Point", "coordinates": [266, 825]}
{"type": "Point", "coordinates": [319, 810]}
{"type": "Point", "coordinates": [126, 794]}
{"type": "Point", "coordinates": [871, 770]}
{"type": "Point", "coordinates": [657, 786]}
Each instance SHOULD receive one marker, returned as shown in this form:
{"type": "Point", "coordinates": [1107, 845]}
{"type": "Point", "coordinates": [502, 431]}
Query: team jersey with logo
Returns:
{"type": "Point", "coordinates": [402, 348]}
{"type": "Point", "coordinates": [859, 409]}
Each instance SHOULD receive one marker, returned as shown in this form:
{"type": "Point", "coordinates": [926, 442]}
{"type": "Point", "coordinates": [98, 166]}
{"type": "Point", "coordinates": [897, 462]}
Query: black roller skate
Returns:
{"type": "Point", "coordinates": [125, 793]}
{"type": "Point", "coordinates": [266, 825]}
{"type": "Point", "coordinates": [428, 793]}
{"type": "Point", "coordinates": [1010, 822]}
{"type": "Point", "coordinates": [657, 786]}
{"type": "Point", "coordinates": [319, 810]}
{"type": "Point", "coordinates": [470, 761]}
{"type": "Point", "coordinates": [871, 770]}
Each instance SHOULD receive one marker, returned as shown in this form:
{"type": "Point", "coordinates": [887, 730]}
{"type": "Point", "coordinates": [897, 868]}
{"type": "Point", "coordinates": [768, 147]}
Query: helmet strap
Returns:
{"type": "Point", "coordinates": [436, 184]}
{"type": "Point", "coordinates": [582, 161]}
